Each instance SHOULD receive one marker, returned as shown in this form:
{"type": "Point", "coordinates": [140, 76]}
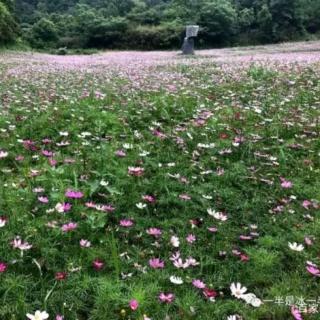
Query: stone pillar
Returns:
{"type": "Point", "coordinates": [188, 43]}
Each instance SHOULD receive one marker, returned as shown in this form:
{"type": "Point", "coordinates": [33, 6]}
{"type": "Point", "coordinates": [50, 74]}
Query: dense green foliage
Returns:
{"type": "Point", "coordinates": [159, 24]}
{"type": "Point", "coordinates": [8, 26]}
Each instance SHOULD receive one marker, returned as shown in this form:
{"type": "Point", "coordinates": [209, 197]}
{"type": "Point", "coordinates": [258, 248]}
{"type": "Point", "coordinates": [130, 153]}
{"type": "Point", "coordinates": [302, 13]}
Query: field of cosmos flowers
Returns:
{"type": "Point", "coordinates": [148, 185]}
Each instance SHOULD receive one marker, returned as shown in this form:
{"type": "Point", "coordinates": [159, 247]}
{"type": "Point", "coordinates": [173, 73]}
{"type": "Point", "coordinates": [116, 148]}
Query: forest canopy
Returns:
{"type": "Point", "coordinates": [156, 24]}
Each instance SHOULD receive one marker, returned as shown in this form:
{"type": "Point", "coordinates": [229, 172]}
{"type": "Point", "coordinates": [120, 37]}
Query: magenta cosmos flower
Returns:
{"type": "Point", "coordinates": [133, 304]}
{"type": "Point", "coordinates": [97, 264]}
{"type": "Point", "coordinates": [156, 263]}
{"type": "Point", "coordinates": [72, 194]}
{"type": "Point", "coordinates": [3, 267]}
{"type": "Point", "coordinates": [60, 276]}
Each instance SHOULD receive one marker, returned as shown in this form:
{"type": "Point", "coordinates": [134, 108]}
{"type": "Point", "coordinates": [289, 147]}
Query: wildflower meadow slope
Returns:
{"type": "Point", "coordinates": [146, 185]}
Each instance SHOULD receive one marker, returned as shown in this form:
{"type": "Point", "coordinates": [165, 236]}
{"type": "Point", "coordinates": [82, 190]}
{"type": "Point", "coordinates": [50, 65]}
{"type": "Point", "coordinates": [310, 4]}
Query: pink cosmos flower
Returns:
{"type": "Point", "coordinates": [306, 204]}
{"type": "Point", "coordinates": [3, 267]}
{"type": "Point", "coordinates": [46, 141]}
{"type": "Point", "coordinates": [212, 229]}
{"type": "Point", "coordinates": [126, 223]}
{"type": "Point", "coordinates": [136, 171]}
{"type": "Point", "coordinates": [149, 198]}
{"type": "Point", "coordinates": [156, 263]}
{"type": "Point", "coordinates": [120, 153]}
{"type": "Point", "coordinates": [69, 226]}
{"type": "Point", "coordinates": [133, 304]}
{"type": "Point", "coordinates": [90, 205]}
{"type": "Point", "coordinates": [97, 264]}
{"type": "Point", "coordinates": [296, 313]}
{"type": "Point", "coordinates": [29, 145]}
{"type": "Point", "coordinates": [107, 208]}
{"type": "Point", "coordinates": [184, 197]}
{"type": "Point", "coordinates": [244, 237]}
{"type": "Point", "coordinates": [53, 162]}
{"type": "Point", "coordinates": [19, 158]}
{"type": "Point", "coordinates": [308, 241]}
{"type": "Point", "coordinates": [43, 199]}
{"type": "Point", "coordinates": [154, 232]}
{"type": "Point", "coordinates": [198, 284]}
{"type": "Point", "coordinates": [166, 297]}
{"type": "Point", "coordinates": [191, 238]}
{"type": "Point", "coordinates": [85, 243]}
{"type": "Point", "coordinates": [47, 153]}
{"type": "Point", "coordinates": [72, 194]}
{"type": "Point", "coordinates": [192, 262]}
{"type": "Point", "coordinates": [59, 317]}
{"type": "Point", "coordinates": [17, 243]}
{"type": "Point", "coordinates": [63, 207]}
{"type": "Point", "coordinates": [313, 269]}
{"type": "Point", "coordinates": [286, 184]}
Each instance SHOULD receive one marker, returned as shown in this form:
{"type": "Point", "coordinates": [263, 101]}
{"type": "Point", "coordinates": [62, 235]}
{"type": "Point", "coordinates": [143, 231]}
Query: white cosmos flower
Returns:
{"type": "Point", "coordinates": [3, 154]}
{"type": "Point", "coordinates": [140, 205]}
{"type": "Point", "coordinates": [104, 183]}
{"type": "Point", "coordinates": [295, 246]}
{"type": "Point", "coordinates": [176, 280]}
{"type": "Point", "coordinates": [217, 215]}
{"type": "Point", "coordinates": [128, 146]}
{"type": "Point", "coordinates": [237, 290]}
{"type": "Point", "coordinates": [234, 317]}
{"type": "Point", "coordinates": [175, 241]}
{"type": "Point", "coordinates": [63, 133]}
{"type": "Point", "coordinates": [251, 298]}
{"type": "Point", "coordinates": [206, 146]}
{"type": "Point", "coordinates": [3, 222]}
{"type": "Point", "coordinates": [39, 315]}
{"type": "Point", "coordinates": [144, 153]}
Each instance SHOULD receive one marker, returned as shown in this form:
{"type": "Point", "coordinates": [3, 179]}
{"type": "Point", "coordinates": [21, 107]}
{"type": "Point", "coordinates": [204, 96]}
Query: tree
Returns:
{"type": "Point", "coordinates": [43, 33]}
{"type": "Point", "coordinates": [8, 26]}
{"type": "Point", "coordinates": [218, 20]}
{"type": "Point", "coordinates": [265, 22]}
{"type": "Point", "coordinates": [287, 16]}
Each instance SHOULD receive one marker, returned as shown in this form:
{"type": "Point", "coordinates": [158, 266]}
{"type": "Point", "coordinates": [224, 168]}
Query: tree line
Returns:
{"type": "Point", "coordinates": [156, 24]}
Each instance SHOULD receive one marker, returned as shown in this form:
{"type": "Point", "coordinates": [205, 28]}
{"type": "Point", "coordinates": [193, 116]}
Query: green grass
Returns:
{"type": "Point", "coordinates": [262, 108]}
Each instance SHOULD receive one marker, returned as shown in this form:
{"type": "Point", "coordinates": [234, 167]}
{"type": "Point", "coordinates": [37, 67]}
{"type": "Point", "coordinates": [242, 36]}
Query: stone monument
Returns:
{"type": "Point", "coordinates": [188, 43]}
